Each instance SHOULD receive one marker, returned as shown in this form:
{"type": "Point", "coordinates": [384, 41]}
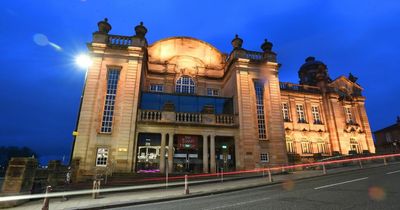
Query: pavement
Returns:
{"type": "Point", "coordinates": [174, 198]}
{"type": "Point", "coordinates": [371, 188]}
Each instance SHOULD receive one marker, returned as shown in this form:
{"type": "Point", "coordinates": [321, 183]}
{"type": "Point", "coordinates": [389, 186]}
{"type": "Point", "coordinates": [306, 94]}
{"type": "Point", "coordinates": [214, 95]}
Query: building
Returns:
{"type": "Point", "coordinates": [387, 140]}
{"type": "Point", "coordinates": [181, 104]}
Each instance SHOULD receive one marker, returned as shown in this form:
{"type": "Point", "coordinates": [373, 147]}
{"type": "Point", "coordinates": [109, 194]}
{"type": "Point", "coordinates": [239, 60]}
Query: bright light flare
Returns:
{"type": "Point", "coordinates": [83, 61]}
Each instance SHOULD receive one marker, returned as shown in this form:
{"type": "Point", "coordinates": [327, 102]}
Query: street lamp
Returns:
{"type": "Point", "coordinates": [83, 61]}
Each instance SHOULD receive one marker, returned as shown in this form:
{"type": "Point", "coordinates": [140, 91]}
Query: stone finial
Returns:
{"type": "Point", "coordinates": [104, 26]}
{"type": "Point", "coordinates": [266, 46]}
{"type": "Point", "coordinates": [237, 42]}
{"type": "Point", "coordinates": [310, 59]}
{"type": "Point", "coordinates": [140, 30]}
{"type": "Point", "coordinates": [352, 78]}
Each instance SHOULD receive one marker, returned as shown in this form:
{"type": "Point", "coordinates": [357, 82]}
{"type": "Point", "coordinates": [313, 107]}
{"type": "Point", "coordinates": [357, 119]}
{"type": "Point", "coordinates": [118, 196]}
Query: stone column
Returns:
{"type": "Point", "coordinates": [170, 152]}
{"type": "Point", "coordinates": [212, 153]}
{"type": "Point", "coordinates": [205, 153]}
{"type": "Point", "coordinates": [162, 153]}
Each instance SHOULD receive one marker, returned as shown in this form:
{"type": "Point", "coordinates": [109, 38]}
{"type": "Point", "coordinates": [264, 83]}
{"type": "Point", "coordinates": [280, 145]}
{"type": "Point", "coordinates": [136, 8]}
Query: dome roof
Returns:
{"type": "Point", "coordinates": [311, 63]}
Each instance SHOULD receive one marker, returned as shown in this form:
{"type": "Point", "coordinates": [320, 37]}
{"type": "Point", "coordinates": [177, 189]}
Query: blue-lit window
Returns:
{"type": "Point", "coordinates": [156, 88]}
{"type": "Point", "coordinates": [185, 84]}
{"type": "Point", "coordinates": [259, 88]}
{"type": "Point", "coordinates": [185, 103]}
{"type": "Point", "coordinates": [108, 113]}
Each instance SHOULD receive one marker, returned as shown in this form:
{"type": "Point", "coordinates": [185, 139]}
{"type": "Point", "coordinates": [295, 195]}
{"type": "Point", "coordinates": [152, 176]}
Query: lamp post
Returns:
{"type": "Point", "coordinates": [83, 61]}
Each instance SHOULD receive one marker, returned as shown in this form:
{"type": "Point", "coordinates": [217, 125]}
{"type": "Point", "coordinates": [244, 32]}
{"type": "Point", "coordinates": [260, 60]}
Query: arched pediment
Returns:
{"type": "Point", "coordinates": [182, 50]}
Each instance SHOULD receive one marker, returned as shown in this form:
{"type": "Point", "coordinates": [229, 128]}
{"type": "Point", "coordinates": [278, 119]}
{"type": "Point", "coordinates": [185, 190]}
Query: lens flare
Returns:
{"type": "Point", "coordinates": [83, 61]}
{"type": "Point", "coordinates": [376, 193]}
{"type": "Point", "coordinates": [288, 185]}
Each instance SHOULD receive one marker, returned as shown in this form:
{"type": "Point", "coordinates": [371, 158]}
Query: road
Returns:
{"type": "Point", "coordinates": [372, 188]}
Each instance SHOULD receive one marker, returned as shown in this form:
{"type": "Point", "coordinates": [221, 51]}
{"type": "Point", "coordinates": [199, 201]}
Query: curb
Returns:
{"type": "Point", "coordinates": [201, 194]}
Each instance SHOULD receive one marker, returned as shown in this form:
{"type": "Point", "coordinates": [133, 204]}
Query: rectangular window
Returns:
{"type": "Point", "coordinates": [102, 156]}
{"type": "Point", "coordinates": [264, 157]}
{"type": "Point", "coordinates": [259, 88]}
{"type": "Point", "coordinates": [306, 147]}
{"type": "Point", "coordinates": [212, 92]}
{"type": "Point", "coordinates": [285, 112]}
{"type": "Point", "coordinates": [322, 148]}
{"type": "Point", "coordinates": [316, 115]}
{"type": "Point", "coordinates": [108, 114]}
{"type": "Point", "coordinates": [349, 115]}
{"type": "Point", "coordinates": [300, 113]}
{"type": "Point", "coordinates": [156, 88]}
{"type": "Point", "coordinates": [290, 147]}
{"type": "Point", "coordinates": [388, 137]}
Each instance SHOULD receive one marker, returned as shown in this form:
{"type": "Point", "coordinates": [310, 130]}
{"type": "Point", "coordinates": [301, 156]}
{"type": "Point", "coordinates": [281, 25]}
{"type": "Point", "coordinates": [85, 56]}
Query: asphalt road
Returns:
{"type": "Point", "coordinates": [373, 188]}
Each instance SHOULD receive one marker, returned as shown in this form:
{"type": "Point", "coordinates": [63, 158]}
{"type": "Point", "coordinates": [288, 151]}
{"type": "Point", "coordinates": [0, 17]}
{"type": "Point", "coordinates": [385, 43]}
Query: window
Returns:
{"type": "Point", "coordinates": [102, 156]}
{"type": "Point", "coordinates": [259, 88]}
{"type": "Point", "coordinates": [316, 115]}
{"type": "Point", "coordinates": [185, 84]}
{"type": "Point", "coordinates": [156, 88]}
{"type": "Point", "coordinates": [354, 146]}
{"type": "Point", "coordinates": [322, 148]}
{"type": "Point", "coordinates": [306, 148]}
{"type": "Point", "coordinates": [264, 157]}
{"type": "Point", "coordinates": [212, 92]}
{"type": "Point", "coordinates": [108, 113]}
{"type": "Point", "coordinates": [290, 147]}
{"type": "Point", "coordinates": [349, 115]}
{"type": "Point", "coordinates": [388, 137]}
{"type": "Point", "coordinates": [300, 113]}
{"type": "Point", "coordinates": [285, 112]}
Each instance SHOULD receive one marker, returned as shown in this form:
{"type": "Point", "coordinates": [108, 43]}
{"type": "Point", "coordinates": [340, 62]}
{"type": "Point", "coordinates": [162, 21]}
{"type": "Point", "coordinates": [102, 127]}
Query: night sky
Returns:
{"type": "Point", "coordinates": [41, 85]}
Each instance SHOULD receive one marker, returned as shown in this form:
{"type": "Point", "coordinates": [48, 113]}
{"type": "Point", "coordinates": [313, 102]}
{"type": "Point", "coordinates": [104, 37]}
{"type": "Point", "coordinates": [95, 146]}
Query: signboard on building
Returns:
{"type": "Point", "coordinates": [187, 142]}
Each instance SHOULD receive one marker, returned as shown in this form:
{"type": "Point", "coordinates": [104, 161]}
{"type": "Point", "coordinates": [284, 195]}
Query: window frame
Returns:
{"type": "Point", "coordinates": [316, 113]}
{"type": "Point", "coordinates": [285, 112]}
{"type": "Point", "coordinates": [301, 114]}
{"type": "Point", "coordinates": [264, 157]}
{"type": "Point", "coordinates": [112, 82]}
{"type": "Point", "coordinates": [159, 88]}
{"type": "Point", "coordinates": [185, 85]}
{"type": "Point", "coordinates": [103, 160]}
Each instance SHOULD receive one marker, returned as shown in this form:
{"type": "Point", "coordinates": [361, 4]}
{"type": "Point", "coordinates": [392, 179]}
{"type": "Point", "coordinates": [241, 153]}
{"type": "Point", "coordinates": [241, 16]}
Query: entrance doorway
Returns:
{"type": "Point", "coordinates": [225, 153]}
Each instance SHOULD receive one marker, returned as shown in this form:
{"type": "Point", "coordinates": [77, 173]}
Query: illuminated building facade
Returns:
{"type": "Point", "coordinates": [181, 105]}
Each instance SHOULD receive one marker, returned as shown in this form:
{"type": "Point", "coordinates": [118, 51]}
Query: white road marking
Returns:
{"type": "Point", "coordinates": [392, 172]}
{"type": "Point", "coordinates": [331, 185]}
{"type": "Point", "coordinates": [237, 204]}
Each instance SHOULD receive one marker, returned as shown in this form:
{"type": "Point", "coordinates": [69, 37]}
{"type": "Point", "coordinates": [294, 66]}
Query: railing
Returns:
{"type": "Point", "coordinates": [148, 115]}
{"type": "Point", "coordinates": [188, 117]}
{"type": "Point", "coordinates": [252, 55]}
{"type": "Point", "coordinates": [185, 117]}
{"type": "Point", "coordinates": [299, 88]}
{"type": "Point", "coordinates": [120, 41]}
{"type": "Point", "coordinates": [224, 119]}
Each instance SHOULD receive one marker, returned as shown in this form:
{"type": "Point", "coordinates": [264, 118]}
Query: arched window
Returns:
{"type": "Point", "coordinates": [185, 84]}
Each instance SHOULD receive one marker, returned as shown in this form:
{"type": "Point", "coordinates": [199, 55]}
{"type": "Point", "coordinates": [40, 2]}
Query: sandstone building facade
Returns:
{"type": "Point", "coordinates": [181, 105]}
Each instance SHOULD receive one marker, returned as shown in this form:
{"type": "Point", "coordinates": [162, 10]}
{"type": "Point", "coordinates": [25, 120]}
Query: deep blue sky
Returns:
{"type": "Point", "coordinates": [41, 86]}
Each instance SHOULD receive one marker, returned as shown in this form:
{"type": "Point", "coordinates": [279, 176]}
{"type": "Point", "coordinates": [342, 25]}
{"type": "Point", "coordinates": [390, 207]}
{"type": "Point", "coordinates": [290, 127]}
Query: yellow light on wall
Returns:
{"type": "Point", "coordinates": [122, 149]}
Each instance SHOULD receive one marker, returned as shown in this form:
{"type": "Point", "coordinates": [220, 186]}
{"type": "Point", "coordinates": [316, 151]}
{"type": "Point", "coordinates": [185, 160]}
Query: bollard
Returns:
{"type": "Point", "coordinates": [359, 161]}
{"type": "Point", "coordinates": [323, 169]}
{"type": "Point", "coordinates": [96, 189]}
{"type": "Point", "coordinates": [269, 175]}
{"type": "Point", "coordinates": [384, 162]}
{"type": "Point", "coordinates": [222, 174]}
{"type": "Point", "coordinates": [263, 173]}
{"type": "Point", "coordinates": [186, 185]}
{"type": "Point", "coordinates": [46, 199]}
